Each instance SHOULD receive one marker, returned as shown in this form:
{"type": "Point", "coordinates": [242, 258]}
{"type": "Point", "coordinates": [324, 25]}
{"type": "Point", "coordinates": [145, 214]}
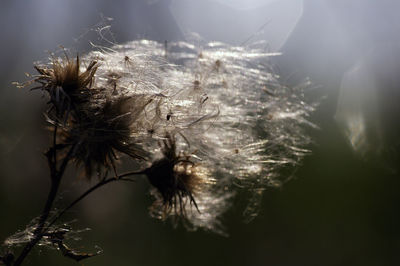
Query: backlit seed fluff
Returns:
{"type": "Point", "coordinates": [244, 128]}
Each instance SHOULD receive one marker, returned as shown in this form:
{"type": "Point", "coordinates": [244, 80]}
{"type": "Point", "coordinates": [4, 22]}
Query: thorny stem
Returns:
{"type": "Point", "coordinates": [56, 176]}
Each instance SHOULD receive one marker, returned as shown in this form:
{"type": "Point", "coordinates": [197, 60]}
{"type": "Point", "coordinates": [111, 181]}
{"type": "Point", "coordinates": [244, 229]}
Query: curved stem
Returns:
{"type": "Point", "coordinates": [86, 193]}
{"type": "Point", "coordinates": [143, 172]}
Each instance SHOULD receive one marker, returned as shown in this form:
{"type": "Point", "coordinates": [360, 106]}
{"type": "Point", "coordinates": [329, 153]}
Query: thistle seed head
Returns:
{"type": "Point", "coordinates": [101, 133]}
{"type": "Point", "coordinates": [65, 83]}
{"type": "Point", "coordinates": [175, 177]}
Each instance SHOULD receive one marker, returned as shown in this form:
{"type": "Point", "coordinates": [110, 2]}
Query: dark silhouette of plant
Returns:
{"type": "Point", "coordinates": [199, 126]}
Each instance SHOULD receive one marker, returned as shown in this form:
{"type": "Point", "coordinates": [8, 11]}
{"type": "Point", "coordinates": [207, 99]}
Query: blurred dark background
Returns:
{"type": "Point", "coordinates": [340, 209]}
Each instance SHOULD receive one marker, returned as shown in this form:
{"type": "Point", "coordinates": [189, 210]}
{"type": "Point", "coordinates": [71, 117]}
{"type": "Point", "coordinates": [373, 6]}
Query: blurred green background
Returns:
{"type": "Point", "coordinates": [340, 209]}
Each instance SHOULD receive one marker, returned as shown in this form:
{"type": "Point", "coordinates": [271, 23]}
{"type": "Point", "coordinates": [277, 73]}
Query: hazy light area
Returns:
{"type": "Point", "coordinates": [356, 100]}
{"type": "Point", "coordinates": [248, 4]}
{"type": "Point", "coordinates": [225, 21]}
{"type": "Point", "coordinates": [351, 48]}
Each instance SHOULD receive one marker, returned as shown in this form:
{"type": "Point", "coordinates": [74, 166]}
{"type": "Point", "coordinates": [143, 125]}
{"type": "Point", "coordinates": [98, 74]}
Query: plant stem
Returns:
{"type": "Point", "coordinates": [86, 193]}
{"type": "Point", "coordinates": [56, 176]}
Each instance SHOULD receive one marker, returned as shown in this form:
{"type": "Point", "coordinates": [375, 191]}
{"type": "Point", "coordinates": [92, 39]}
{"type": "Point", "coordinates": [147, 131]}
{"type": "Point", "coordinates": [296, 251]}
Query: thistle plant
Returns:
{"type": "Point", "coordinates": [199, 126]}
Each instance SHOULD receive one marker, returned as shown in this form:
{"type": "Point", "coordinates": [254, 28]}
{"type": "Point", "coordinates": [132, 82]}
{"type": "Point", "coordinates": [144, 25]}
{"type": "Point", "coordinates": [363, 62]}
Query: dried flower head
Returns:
{"type": "Point", "coordinates": [101, 133]}
{"type": "Point", "coordinates": [176, 177]}
{"type": "Point", "coordinates": [65, 83]}
{"type": "Point", "coordinates": [185, 191]}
